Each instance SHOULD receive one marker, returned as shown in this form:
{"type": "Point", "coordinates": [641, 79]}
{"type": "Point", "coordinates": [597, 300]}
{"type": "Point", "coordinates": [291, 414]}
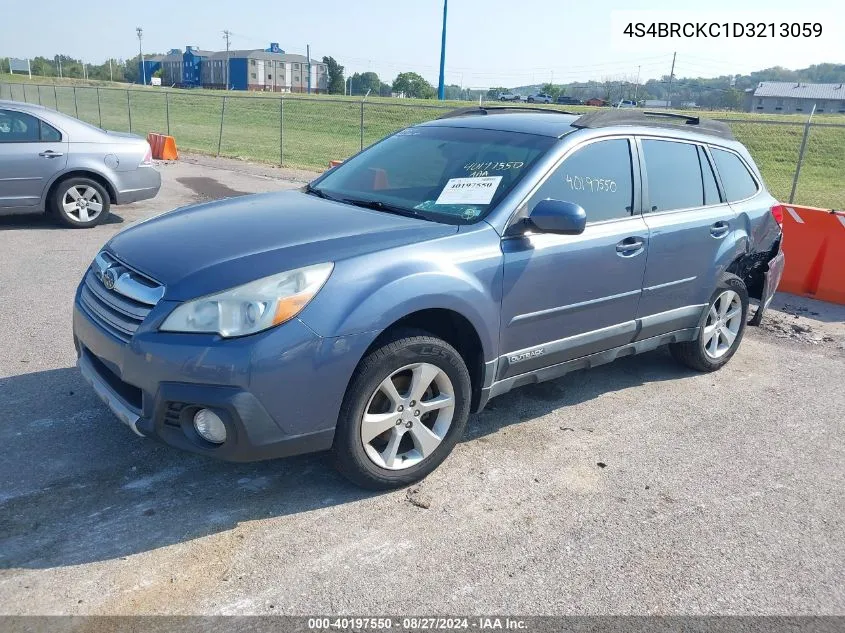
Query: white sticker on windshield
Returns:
{"type": "Point", "coordinates": [469, 190]}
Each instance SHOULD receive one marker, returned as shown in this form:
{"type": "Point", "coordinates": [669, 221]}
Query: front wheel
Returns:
{"type": "Point", "coordinates": [721, 328]}
{"type": "Point", "coordinates": [404, 410]}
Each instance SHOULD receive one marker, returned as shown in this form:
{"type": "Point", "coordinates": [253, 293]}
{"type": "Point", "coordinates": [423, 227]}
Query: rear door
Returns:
{"type": "Point", "coordinates": [567, 296]}
{"type": "Point", "coordinates": [31, 152]}
{"type": "Point", "coordinates": [690, 227]}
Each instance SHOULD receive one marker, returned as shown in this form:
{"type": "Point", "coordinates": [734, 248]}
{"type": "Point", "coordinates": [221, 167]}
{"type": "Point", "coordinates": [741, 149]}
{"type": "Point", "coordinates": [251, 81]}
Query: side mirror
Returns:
{"type": "Point", "coordinates": [558, 216]}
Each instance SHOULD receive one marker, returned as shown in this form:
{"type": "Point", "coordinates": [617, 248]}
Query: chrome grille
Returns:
{"type": "Point", "coordinates": [121, 308]}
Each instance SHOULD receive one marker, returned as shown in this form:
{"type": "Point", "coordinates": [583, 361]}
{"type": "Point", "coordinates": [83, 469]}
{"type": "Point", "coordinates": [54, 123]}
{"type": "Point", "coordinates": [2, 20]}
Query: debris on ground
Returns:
{"type": "Point", "coordinates": [418, 498]}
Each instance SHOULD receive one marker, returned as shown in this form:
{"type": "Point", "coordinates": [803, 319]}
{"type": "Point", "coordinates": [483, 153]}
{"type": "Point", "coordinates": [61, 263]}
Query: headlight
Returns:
{"type": "Point", "coordinates": [252, 307]}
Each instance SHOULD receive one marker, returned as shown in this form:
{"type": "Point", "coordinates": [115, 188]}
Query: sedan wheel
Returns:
{"type": "Point", "coordinates": [82, 203]}
{"type": "Point", "coordinates": [408, 416]}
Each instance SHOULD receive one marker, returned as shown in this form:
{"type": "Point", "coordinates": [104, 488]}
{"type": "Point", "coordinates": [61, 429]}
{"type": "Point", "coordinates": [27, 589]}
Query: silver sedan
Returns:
{"type": "Point", "coordinates": [51, 162]}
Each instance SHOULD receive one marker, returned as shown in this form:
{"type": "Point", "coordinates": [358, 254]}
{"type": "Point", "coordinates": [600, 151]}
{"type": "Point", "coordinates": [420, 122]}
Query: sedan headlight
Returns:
{"type": "Point", "coordinates": [252, 307]}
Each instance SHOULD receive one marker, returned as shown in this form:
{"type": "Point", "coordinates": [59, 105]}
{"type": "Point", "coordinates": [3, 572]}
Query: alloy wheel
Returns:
{"type": "Point", "coordinates": [724, 321]}
{"type": "Point", "coordinates": [408, 416]}
{"type": "Point", "coordinates": [82, 203]}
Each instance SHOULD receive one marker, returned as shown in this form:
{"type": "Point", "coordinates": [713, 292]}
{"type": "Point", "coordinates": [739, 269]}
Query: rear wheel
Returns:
{"type": "Point", "coordinates": [405, 409]}
{"type": "Point", "coordinates": [80, 203]}
{"type": "Point", "coordinates": [721, 328]}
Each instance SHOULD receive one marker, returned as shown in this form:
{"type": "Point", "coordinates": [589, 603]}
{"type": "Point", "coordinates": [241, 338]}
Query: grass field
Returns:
{"type": "Point", "coordinates": [307, 131]}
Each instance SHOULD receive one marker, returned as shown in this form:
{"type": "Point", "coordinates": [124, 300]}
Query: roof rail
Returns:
{"type": "Point", "coordinates": [497, 109]}
{"type": "Point", "coordinates": [672, 120]}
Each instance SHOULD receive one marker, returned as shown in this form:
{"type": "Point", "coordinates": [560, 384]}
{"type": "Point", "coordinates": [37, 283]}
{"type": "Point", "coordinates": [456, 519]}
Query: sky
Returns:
{"type": "Point", "coordinates": [489, 42]}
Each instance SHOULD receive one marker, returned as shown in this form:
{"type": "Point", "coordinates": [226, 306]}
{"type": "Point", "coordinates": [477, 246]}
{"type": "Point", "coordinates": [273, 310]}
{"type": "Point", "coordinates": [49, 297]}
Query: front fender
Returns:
{"type": "Point", "coordinates": [462, 273]}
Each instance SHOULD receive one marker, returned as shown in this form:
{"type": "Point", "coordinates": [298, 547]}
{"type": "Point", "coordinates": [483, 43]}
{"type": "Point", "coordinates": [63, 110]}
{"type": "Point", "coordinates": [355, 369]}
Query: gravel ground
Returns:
{"type": "Point", "coordinates": [635, 488]}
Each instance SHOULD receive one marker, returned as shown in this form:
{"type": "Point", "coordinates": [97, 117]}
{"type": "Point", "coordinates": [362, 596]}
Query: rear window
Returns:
{"type": "Point", "coordinates": [739, 184]}
{"type": "Point", "coordinates": [674, 175]}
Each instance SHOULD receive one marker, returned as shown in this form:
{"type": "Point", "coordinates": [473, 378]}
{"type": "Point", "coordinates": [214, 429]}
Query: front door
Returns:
{"type": "Point", "coordinates": [31, 153]}
{"type": "Point", "coordinates": [567, 296]}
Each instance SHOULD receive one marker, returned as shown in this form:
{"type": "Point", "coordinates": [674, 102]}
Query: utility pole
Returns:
{"type": "Point", "coordinates": [671, 76]}
{"type": "Point", "coordinates": [308, 55]}
{"type": "Point", "coordinates": [84, 70]}
{"type": "Point", "coordinates": [111, 72]}
{"type": "Point", "coordinates": [59, 62]}
{"type": "Point", "coordinates": [140, 33]}
{"type": "Point", "coordinates": [226, 35]}
{"type": "Point", "coordinates": [441, 87]}
{"type": "Point", "coordinates": [637, 88]}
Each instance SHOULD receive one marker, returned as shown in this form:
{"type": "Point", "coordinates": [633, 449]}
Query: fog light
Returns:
{"type": "Point", "coordinates": [209, 426]}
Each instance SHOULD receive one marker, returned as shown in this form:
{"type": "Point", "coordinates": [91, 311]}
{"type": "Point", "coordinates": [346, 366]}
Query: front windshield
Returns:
{"type": "Point", "coordinates": [446, 174]}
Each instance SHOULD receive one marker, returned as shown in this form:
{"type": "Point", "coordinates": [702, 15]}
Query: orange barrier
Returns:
{"type": "Point", "coordinates": [163, 146]}
{"type": "Point", "coordinates": [814, 246]}
{"type": "Point", "coordinates": [334, 163]}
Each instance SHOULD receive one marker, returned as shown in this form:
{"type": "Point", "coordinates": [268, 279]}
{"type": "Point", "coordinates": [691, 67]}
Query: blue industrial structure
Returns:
{"type": "Point", "coordinates": [152, 63]}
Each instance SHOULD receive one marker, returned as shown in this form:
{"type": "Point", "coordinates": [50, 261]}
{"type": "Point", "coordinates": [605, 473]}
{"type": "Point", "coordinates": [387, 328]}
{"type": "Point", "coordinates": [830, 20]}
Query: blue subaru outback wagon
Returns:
{"type": "Point", "coordinates": [370, 312]}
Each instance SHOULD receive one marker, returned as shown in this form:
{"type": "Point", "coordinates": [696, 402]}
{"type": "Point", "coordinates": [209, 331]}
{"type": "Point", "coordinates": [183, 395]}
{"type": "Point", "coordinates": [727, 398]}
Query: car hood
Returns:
{"type": "Point", "coordinates": [210, 247]}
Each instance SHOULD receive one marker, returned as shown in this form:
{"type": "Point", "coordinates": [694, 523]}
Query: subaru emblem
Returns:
{"type": "Point", "coordinates": [109, 279]}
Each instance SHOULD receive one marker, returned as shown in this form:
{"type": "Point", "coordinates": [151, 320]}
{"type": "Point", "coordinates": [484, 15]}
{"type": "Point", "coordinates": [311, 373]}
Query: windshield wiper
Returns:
{"type": "Point", "coordinates": [318, 192]}
{"type": "Point", "coordinates": [377, 205]}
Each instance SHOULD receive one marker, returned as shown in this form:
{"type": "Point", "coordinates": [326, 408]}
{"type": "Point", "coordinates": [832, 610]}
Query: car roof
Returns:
{"type": "Point", "coordinates": [540, 122]}
{"type": "Point", "coordinates": [557, 123]}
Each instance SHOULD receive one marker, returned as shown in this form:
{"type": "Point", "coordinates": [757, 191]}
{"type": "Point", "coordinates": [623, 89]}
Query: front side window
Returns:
{"type": "Point", "coordinates": [17, 127]}
{"type": "Point", "coordinates": [445, 174]}
{"type": "Point", "coordinates": [739, 184]}
{"type": "Point", "coordinates": [674, 175]}
{"type": "Point", "coordinates": [598, 177]}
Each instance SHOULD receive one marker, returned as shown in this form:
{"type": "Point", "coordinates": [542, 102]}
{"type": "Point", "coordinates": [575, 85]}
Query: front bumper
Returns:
{"type": "Point", "coordinates": [278, 392]}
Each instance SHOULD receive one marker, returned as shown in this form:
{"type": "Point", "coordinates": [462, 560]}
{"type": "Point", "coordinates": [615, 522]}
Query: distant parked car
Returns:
{"type": "Point", "coordinates": [563, 99]}
{"type": "Point", "coordinates": [625, 103]}
{"type": "Point", "coordinates": [540, 97]}
{"type": "Point", "coordinates": [52, 162]}
{"type": "Point", "coordinates": [509, 96]}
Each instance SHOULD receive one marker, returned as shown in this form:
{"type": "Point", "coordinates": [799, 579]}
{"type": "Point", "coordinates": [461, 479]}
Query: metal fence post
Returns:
{"type": "Point", "coordinates": [129, 111]}
{"type": "Point", "coordinates": [24, 94]}
{"type": "Point", "coordinates": [75, 104]}
{"type": "Point", "coordinates": [801, 155]}
{"type": "Point", "coordinates": [55, 96]}
{"type": "Point", "coordinates": [220, 136]}
{"type": "Point", "coordinates": [99, 110]}
{"type": "Point", "coordinates": [167, 110]}
{"type": "Point", "coordinates": [281, 132]}
{"type": "Point", "coordinates": [38, 90]}
{"type": "Point", "coordinates": [362, 118]}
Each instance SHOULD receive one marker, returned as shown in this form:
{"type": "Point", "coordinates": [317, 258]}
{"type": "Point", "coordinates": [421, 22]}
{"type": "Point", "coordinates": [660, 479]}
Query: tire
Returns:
{"type": "Point", "coordinates": [702, 354]}
{"type": "Point", "coordinates": [400, 451]}
{"type": "Point", "coordinates": [74, 190]}
{"type": "Point", "coordinates": [502, 99]}
{"type": "Point", "coordinates": [530, 100]}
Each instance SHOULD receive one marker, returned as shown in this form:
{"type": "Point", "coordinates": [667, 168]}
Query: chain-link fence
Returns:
{"type": "Point", "coordinates": [307, 133]}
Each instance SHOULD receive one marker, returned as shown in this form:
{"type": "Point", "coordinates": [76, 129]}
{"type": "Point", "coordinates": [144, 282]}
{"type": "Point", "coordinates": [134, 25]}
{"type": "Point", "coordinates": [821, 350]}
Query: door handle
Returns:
{"type": "Point", "coordinates": [720, 229]}
{"type": "Point", "coordinates": [50, 154]}
{"type": "Point", "coordinates": [630, 246]}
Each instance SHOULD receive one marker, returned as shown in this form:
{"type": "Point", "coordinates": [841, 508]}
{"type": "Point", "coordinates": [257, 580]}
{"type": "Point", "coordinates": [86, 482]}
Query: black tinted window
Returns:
{"type": "Point", "coordinates": [49, 134]}
{"type": "Point", "coordinates": [17, 127]}
{"type": "Point", "coordinates": [598, 177]}
{"type": "Point", "coordinates": [738, 183]}
{"type": "Point", "coordinates": [711, 190]}
{"type": "Point", "coordinates": [674, 175]}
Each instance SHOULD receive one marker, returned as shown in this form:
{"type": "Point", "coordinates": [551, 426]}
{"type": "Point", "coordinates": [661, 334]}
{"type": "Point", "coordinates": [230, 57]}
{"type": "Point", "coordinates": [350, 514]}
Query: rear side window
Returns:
{"type": "Point", "coordinates": [598, 177]}
{"type": "Point", "coordinates": [674, 175]}
{"type": "Point", "coordinates": [739, 184]}
{"type": "Point", "coordinates": [711, 190]}
{"type": "Point", "coordinates": [49, 134]}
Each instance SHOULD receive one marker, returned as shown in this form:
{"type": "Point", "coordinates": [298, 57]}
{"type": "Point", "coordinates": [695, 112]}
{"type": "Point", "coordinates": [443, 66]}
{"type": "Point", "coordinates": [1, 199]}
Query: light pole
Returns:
{"type": "Point", "coordinates": [441, 88]}
{"type": "Point", "coordinates": [140, 33]}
